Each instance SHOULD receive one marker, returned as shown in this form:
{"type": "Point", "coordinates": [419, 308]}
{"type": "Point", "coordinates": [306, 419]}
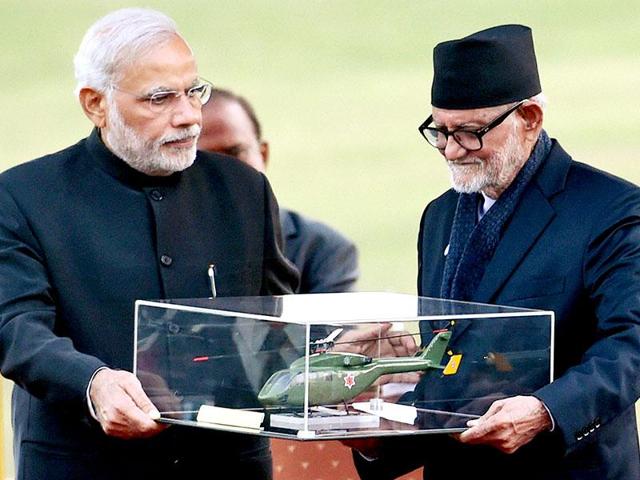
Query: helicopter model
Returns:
{"type": "Point", "coordinates": [337, 377]}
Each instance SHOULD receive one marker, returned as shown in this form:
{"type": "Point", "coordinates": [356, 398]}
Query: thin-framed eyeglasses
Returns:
{"type": "Point", "coordinates": [162, 100]}
{"type": "Point", "coordinates": [470, 140]}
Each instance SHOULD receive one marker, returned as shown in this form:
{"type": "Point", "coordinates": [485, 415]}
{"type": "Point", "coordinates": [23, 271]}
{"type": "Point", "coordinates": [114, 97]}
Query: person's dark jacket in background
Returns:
{"type": "Point", "coordinates": [327, 260]}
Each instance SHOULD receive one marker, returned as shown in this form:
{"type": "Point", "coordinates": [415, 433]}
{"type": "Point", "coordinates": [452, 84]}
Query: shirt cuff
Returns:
{"type": "Point", "coordinates": [92, 411]}
{"type": "Point", "coordinates": [553, 422]}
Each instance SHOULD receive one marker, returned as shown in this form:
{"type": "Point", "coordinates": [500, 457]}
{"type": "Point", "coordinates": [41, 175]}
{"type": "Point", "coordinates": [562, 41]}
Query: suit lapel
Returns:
{"type": "Point", "coordinates": [435, 230]}
{"type": "Point", "coordinates": [529, 221]}
{"type": "Point", "coordinates": [527, 224]}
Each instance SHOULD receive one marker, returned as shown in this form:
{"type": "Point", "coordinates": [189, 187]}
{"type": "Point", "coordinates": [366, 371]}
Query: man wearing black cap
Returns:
{"type": "Point", "coordinates": [527, 226]}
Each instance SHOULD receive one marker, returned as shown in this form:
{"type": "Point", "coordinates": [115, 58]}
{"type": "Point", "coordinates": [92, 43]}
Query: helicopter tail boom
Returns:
{"type": "Point", "coordinates": [436, 348]}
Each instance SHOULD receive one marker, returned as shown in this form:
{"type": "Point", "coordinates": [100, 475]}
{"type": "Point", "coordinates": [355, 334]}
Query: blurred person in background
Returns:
{"type": "Point", "coordinates": [525, 225]}
{"type": "Point", "coordinates": [326, 259]}
{"type": "Point", "coordinates": [130, 212]}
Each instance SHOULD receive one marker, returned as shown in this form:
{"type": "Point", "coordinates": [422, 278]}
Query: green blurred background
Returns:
{"type": "Point", "coordinates": [340, 88]}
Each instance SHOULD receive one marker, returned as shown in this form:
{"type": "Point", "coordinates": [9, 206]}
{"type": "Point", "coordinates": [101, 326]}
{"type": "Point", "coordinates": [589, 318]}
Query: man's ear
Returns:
{"type": "Point", "coordinates": [264, 152]}
{"type": "Point", "coordinates": [532, 116]}
{"type": "Point", "coordinates": [94, 105]}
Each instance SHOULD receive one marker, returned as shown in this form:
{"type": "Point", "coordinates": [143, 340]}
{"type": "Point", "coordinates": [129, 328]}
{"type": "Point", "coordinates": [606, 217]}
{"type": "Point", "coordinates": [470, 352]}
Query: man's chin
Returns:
{"type": "Point", "coordinates": [466, 185]}
{"type": "Point", "coordinates": [465, 189]}
{"type": "Point", "coordinates": [165, 168]}
{"type": "Point", "coordinates": [179, 167]}
{"type": "Point", "coordinates": [177, 159]}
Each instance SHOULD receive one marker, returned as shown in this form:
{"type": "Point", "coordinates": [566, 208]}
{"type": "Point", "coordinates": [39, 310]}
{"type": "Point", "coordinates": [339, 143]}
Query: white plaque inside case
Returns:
{"type": "Point", "coordinates": [331, 366]}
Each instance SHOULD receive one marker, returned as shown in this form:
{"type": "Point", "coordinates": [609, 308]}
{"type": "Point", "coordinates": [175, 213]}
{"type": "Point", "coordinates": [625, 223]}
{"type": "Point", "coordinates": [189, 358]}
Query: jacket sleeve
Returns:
{"type": "Point", "coordinates": [32, 353]}
{"type": "Point", "coordinates": [279, 276]}
{"type": "Point", "coordinates": [329, 259]}
{"type": "Point", "coordinates": [604, 384]}
{"type": "Point", "coordinates": [336, 270]}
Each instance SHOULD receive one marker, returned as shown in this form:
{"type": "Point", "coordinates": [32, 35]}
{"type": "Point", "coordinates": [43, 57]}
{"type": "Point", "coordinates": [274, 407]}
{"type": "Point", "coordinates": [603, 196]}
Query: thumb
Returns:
{"type": "Point", "coordinates": [382, 329]}
{"type": "Point", "coordinates": [141, 400]}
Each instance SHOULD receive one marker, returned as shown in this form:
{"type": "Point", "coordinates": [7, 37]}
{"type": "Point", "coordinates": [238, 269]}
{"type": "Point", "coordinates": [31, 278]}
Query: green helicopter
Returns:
{"type": "Point", "coordinates": [337, 377]}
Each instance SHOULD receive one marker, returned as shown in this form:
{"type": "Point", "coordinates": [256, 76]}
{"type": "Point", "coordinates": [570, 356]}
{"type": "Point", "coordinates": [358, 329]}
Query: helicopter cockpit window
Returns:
{"type": "Point", "coordinates": [281, 382]}
{"type": "Point", "coordinates": [313, 376]}
{"type": "Point", "coordinates": [298, 379]}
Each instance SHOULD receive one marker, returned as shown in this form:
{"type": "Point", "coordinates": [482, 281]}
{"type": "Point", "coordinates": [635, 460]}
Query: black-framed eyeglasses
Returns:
{"type": "Point", "coordinates": [162, 101]}
{"type": "Point", "coordinates": [470, 140]}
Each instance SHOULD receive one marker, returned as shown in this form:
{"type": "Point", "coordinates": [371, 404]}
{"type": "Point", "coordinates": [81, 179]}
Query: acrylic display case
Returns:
{"type": "Point", "coordinates": [330, 366]}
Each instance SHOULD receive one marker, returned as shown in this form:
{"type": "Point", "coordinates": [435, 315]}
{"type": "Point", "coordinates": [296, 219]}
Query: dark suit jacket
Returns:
{"type": "Point", "coordinates": [327, 260]}
{"type": "Point", "coordinates": [573, 247]}
{"type": "Point", "coordinates": [82, 236]}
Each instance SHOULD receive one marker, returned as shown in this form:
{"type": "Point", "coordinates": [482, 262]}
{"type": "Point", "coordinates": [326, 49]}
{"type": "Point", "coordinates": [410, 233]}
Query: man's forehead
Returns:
{"type": "Point", "coordinates": [163, 85]}
{"type": "Point", "coordinates": [229, 113]}
{"type": "Point", "coordinates": [159, 80]}
{"type": "Point", "coordinates": [167, 66]}
{"type": "Point", "coordinates": [223, 124]}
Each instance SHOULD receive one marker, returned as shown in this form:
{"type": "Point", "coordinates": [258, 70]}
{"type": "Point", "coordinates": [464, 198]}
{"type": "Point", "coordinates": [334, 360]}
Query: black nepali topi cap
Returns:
{"type": "Point", "coordinates": [488, 68]}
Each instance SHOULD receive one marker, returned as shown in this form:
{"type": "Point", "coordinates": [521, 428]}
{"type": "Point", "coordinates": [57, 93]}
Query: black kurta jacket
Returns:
{"type": "Point", "coordinates": [82, 236]}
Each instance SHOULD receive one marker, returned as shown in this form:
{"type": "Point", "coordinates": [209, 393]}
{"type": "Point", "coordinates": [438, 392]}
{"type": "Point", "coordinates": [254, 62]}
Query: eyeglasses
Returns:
{"type": "Point", "coordinates": [470, 140]}
{"type": "Point", "coordinates": [162, 101]}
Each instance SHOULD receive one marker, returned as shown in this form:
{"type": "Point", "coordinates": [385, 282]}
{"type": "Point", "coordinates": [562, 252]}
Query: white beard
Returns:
{"type": "Point", "coordinates": [496, 172]}
{"type": "Point", "coordinates": [149, 156]}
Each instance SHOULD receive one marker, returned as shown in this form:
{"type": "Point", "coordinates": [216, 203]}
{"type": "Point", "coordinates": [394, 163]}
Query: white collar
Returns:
{"type": "Point", "coordinates": [485, 205]}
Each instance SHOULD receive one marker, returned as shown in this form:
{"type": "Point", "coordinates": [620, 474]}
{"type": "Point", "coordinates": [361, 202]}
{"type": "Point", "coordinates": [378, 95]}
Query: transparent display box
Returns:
{"type": "Point", "coordinates": [331, 366]}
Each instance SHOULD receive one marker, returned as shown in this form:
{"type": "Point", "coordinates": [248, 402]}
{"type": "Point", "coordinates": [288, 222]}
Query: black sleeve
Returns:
{"type": "Point", "coordinates": [32, 354]}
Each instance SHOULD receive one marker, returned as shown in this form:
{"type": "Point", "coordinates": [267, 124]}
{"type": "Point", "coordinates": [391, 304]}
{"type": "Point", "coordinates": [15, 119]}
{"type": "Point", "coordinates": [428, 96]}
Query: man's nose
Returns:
{"type": "Point", "coordinates": [453, 150]}
{"type": "Point", "coordinates": [186, 113]}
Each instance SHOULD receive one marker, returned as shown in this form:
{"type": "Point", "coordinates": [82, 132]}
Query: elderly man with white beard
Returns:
{"type": "Point", "coordinates": [524, 225]}
{"type": "Point", "coordinates": [131, 212]}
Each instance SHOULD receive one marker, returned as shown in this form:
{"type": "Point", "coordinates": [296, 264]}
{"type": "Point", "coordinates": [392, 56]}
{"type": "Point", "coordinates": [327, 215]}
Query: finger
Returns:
{"type": "Point", "coordinates": [480, 429]}
{"type": "Point", "coordinates": [409, 344]}
{"type": "Point", "coordinates": [494, 409]}
{"type": "Point", "coordinates": [398, 345]}
{"type": "Point", "coordinates": [117, 415]}
{"type": "Point", "coordinates": [134, 390]}
{"type": "Point", "coordinates": [369, 339]}
{"type": "Point", "coordinates": [126, 417]}
{"type": "Point", "coordinates": [376, 332]}
{"type": "Point", "coordinates": [117, 412]}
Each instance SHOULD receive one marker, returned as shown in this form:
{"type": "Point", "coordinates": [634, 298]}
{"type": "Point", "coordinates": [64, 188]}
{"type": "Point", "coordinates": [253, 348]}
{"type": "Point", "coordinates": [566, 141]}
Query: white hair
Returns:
{"type": "Point", "coordinates": [540, 99]}
{"type": "Point", "coordinates": [116, 41]}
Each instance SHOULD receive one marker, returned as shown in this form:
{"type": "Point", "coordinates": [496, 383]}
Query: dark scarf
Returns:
{"type": "Point", "coordinates": [471, 245]}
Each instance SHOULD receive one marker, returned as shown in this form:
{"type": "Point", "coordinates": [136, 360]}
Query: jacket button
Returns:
{"type": "Point", "coordinates": [156, 195]}
{"type": "Point", "coordinates": [166, 260]}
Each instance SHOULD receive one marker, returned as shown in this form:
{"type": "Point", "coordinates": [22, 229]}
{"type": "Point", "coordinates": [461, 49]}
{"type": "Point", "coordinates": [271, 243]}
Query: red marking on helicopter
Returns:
{"type": "Point", "coordinates": [349, 380]}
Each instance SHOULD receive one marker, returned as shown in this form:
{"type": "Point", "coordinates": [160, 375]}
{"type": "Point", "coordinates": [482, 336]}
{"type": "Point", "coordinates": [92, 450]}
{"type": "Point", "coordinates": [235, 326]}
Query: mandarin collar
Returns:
{"type": "Point", "coordinates": [114, 166]}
